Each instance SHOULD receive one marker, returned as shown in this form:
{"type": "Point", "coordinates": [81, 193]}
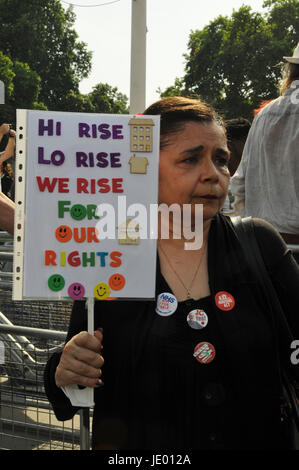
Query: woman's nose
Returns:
{"type": "Point", "coordinates": [208, 170]}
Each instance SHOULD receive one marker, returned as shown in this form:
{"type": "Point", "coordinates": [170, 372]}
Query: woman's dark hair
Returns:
{"type": "Point", "coordinates": [176, 111]}
{"type": "Point", "coordinates": [290, 72]}
{"type": "Point", "coordinates": [237, 128]}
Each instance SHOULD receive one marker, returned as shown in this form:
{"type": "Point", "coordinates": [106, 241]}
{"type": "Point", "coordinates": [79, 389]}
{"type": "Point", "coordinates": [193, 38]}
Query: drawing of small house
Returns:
{"type": "Point", "coordinates": [138, 165]}
{"type": "Point", "coordinates": [128, 233]}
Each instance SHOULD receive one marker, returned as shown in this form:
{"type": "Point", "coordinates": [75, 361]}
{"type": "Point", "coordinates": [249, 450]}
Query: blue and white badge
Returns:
{"type": "Point", "coordinates": [166, 304]}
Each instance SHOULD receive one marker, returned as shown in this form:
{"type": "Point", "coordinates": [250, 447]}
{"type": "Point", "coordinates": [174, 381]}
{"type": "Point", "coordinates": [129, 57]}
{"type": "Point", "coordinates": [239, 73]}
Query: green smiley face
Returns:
{"type": "Point", "coordinates": [56, 282]}
{"type": "Point", "coordinates": [78, 212]}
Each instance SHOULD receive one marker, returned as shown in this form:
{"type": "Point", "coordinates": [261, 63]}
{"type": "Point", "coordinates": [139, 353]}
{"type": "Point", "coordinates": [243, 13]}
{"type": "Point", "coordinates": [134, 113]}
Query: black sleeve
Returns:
{"type": "Point", "coordinates": [283, 270]}
{"type": "Point", "coordinates": [61, 405]}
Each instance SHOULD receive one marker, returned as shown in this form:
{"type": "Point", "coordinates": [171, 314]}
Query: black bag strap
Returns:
{"type": "Point", "coordinates": [245, 231]}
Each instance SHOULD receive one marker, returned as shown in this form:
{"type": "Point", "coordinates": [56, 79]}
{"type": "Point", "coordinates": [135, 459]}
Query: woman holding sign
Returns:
{"type": "Point", "coordinates": [197, 368]}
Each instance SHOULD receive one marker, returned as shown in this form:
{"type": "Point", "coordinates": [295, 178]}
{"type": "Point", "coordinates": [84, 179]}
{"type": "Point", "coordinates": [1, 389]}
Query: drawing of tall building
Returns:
{"type": "Point", "coordinates": [141, 135]}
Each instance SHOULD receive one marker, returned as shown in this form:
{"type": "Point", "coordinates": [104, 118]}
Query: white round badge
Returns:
{"type": "Point", "coordinates": [166, 304]}
{"type": "Point", "coordinates": [197, 319]}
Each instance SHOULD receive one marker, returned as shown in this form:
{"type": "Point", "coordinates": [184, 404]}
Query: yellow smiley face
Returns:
{"type": "Point", "coordinates": [101, 291]}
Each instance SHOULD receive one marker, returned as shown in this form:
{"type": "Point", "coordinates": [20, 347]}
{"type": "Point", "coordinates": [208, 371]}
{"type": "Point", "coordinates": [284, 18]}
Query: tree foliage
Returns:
{"type": "Point", "coordinates": [106, 99]}
{"type": "Point", "coordinates": [102, 99]}
{"type": "Point", "coordinates": [40, 33]}
{"type": "Point", "coordinates": [232, 62]}
{"type": "Point", "coordinates": [22, 88]}
{"type": "Point", "coordinates": [42, 61]}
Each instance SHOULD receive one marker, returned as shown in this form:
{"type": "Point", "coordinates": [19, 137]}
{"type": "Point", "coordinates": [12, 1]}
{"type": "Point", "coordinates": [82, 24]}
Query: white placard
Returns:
{"type": "Point", "coordinates": [79, 177]}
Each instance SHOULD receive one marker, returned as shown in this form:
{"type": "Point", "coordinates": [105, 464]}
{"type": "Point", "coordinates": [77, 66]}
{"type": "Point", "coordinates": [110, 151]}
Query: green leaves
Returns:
{"type": "Point", "coordinates": [232, 62]}
{"type": "Point", "coordinates": [106, 99]}
{"type": "Point", "coordinates": [42, 61]}
{"type": "Point", "coordinates": [40, 33]}
{"type": "Point", "coordinates": [102, 99]}
{"type": "Point", "coordinates": [22, 86]}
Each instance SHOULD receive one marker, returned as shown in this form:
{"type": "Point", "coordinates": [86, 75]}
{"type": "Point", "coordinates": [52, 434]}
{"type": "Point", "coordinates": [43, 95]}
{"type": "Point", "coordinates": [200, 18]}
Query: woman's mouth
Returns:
{"type": "Point", "coordinates": [208, 196]}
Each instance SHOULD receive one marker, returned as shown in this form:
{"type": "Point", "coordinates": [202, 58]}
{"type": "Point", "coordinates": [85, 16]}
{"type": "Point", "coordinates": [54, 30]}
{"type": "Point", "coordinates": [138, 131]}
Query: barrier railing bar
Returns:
{"type": "Point", "coordinates": [5, 256]}
{"type": "Point", "coordinates": [5, 275]}
{"type": "Point", "coordinates": [29, 331]}
{"type": "Point", "coordinates": [84, 429]}
{"type": "Point", "coordinates": [66, 435]}
{"type": "Point", "coordinates": [4, 236]}
{"type": "Point", "coordinates": [7, 285]}
{"type": "Point", "coordinates": [8, 248]}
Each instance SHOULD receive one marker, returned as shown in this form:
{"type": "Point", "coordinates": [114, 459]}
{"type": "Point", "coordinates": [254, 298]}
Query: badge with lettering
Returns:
{"type": "Point", "coordinates": [197, 319]}
{"type": "Point", "coordinates": [224, 301]}
{"type": "Point", "coordinates": [204, 352]}
{"type": "Point", "coordinates": [166, 304]}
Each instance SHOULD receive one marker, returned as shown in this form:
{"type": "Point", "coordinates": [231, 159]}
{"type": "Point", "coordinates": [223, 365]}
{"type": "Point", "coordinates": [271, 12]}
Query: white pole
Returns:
{"type": "Point", "coordinates": [138, 57]}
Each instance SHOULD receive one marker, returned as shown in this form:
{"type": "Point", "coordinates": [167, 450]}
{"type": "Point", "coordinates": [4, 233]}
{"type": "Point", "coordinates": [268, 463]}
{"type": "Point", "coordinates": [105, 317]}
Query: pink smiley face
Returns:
{"type": "Point", "coordinates": [76, 291]}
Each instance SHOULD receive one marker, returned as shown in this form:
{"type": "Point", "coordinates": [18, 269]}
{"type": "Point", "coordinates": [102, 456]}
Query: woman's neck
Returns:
{"type": "Point", "coordinates": [180, 243]}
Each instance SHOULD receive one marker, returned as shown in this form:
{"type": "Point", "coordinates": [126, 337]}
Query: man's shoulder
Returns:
{"type": "Point", "coordinates": [269, 107]}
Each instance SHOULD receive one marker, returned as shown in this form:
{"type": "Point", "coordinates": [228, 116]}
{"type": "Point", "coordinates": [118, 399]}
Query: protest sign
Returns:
{"type": "Point", "coordinates": [86, 184]}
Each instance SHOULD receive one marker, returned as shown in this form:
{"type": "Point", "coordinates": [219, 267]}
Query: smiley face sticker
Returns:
{"type": "Point", "coordinates": [56, 282]}
{"type": "Point", "coordinates": [117, 281]}
{"type": "Point", "coordinates": [76, 291]}
{"type": "Point", "coordinates": [63, 233]}
{"type": "Point", "coordinates": [78, 212]}
{"type": "Point", "coordinates": [101, 291]}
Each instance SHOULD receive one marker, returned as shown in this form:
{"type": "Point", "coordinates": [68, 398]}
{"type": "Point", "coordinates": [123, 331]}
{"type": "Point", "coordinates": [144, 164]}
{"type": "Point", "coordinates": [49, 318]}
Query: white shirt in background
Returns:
{"type": "Point", "coordinates": [266, 183]}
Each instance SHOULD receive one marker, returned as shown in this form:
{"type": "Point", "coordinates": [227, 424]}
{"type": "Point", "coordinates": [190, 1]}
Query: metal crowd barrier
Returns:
{"type": "Point", "coordinates": [29, 333]}
{"type": "Point", "coordinates": [27, 421]}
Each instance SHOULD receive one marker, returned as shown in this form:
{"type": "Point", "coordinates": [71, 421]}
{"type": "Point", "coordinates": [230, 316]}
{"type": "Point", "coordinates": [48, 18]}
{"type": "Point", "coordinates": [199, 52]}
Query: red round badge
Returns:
{"type": "Point", "coordinates": [204, 352]}
{"type": "Point", "coordinates": [224, 301]}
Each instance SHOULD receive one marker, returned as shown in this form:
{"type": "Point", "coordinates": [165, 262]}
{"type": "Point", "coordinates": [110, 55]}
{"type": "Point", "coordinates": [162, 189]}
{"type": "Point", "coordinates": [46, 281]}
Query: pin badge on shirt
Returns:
{"type": "Point", "coordinates": [204, 352]}
{"type": "Point", "coordinates": [224, 300]}
{"type": "Point", "coordinates": [197, 319]}
{"type": "Point", "coordinates": [166, 304]}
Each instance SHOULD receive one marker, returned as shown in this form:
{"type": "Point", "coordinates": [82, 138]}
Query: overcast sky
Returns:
{"type": "Point", "coordinates": [107, 31]}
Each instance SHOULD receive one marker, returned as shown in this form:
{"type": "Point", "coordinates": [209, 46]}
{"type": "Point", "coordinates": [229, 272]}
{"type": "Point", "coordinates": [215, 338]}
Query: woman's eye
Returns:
{"type": "Point", "coordinates": [222, 161]}
{"type": "Point", "coordinates": [190, 160]}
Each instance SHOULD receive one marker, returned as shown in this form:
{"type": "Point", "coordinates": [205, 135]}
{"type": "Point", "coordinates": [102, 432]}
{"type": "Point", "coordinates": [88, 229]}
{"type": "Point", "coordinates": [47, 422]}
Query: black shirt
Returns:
{"type": "Point", "coordinates": [156, 395]}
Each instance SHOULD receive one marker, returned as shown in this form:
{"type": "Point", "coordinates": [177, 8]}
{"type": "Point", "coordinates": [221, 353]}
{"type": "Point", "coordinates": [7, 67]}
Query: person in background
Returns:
{"type": "Point", "coordinates": [7, 146]}
{"type": "Point", "coordinates": [7, 179]}
{"type": "Point", "coordinates": [7, 142]}
{"type": "Point", "coordinates": [7, 213]}
{"type": "Point", "coordinates": [237, 131]}
{"type": "Point", "coordinates": [266, 183]}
